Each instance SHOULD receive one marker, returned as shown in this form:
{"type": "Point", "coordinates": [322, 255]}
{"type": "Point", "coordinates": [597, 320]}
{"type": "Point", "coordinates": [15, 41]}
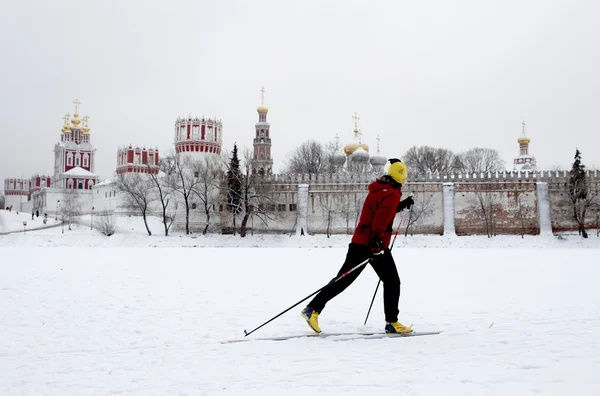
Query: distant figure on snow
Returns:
{"type": "Point", "coordinates": [370, 242]}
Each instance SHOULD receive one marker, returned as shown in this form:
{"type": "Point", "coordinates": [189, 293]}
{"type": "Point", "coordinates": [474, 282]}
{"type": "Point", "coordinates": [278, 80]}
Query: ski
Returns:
{"type": "Point", "coordinates": [337, 336]}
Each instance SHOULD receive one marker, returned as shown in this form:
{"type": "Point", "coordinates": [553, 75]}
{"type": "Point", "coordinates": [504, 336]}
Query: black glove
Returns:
{"type": "Point", "coordinates": [406, 204]}
{"type": "Point", "coordinates": [376, 245]}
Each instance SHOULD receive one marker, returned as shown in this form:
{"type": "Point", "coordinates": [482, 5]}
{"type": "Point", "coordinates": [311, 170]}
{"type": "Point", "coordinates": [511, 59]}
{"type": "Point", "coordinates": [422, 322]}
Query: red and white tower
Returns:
{"type": "Point", "coordinates": [198, 138]}
{"type": "Point", "coordinates": [262, 163]}
{"type": "Point", "coordinates": [74, 155]}
{"type": "Point", "coordinates": [137, 160]}
{"type": "Point", "coordinates": [38, 182]}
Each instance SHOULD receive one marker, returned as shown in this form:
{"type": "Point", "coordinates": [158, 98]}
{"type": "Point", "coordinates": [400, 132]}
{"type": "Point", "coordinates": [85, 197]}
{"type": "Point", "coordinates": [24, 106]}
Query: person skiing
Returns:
{"type": "Point", "coordinates": [370, 242]}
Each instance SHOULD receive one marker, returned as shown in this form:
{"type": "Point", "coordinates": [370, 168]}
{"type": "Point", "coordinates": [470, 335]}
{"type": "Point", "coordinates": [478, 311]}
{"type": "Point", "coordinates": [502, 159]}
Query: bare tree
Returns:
{"type": "Point", "coordinates": [163, 183]}
{"type": "Point", "coordinates": [71, 206]}
{"type": "Point", "coordinates": [483, 204]}
{"type": "Point", "coordinates": [330, 150]}
{"type": "Point", "coordinates": [138, 191]}
{"type": "Point", "coordinates": [520, 211]}
{"type": "Point", "coordinates": [425, 159]}
{"type": "Point", "coordinates": [309, 158]}
{"type": "Point", "coordinates": [209, 173]}
{"type": "Point", "coordinates": [185, 182]}
{"type": "Point", "coordinates": [329, 207]}
{"type": "Point", "coordinates": [106, 224]}
{"type": "Point", "coordinates": [347, 209]}
{"type": "Point", "coordinates": [478, 160]}
{"type": "Point", "coordinates": [422, 207]}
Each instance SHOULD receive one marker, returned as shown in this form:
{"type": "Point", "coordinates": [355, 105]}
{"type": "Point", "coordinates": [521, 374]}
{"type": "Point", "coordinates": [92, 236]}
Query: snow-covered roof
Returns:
{"type": "Point", "coordinates": [71, 145]}
{"type": "Point", "coordinates": [79, 172]}
{"type": "Point", "coordinates": [105, 183]}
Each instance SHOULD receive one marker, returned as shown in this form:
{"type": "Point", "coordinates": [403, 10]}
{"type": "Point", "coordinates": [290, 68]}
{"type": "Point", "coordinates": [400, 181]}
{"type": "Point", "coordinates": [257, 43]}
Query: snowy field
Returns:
{"type": "Point", "coordinates": [94, 317]}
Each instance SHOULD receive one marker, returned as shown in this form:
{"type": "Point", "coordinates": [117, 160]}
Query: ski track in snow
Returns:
{"type": "Point", "coordinates": [150, 321]}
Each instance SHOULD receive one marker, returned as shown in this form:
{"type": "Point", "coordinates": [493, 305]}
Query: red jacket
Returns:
{"type": "Point", "coordinates": [378, 213]}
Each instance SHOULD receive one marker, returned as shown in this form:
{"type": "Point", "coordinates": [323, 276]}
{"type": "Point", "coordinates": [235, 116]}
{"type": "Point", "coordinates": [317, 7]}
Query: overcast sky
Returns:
{"type": "Point", "coordinates": [452, 74]}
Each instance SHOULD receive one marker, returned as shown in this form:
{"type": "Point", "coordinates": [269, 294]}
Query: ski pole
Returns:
{"type": "Point", "coordinates": [391, 247]}
{"type": "Point", "coordinates": [247, 333]}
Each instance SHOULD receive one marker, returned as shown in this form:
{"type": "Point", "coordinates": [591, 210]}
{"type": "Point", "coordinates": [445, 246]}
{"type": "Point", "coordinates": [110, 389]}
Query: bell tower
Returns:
{"type": "Point", "coordinates": [524, 161]}
{"type": "Point", "coordinates": [262, 163]}
{"type": "Point", "coordinates": [74, 154]}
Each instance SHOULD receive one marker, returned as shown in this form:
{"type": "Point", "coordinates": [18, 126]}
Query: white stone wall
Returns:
{"type": "Point", "coordinates": [106, 198]}
{"type": "Point", "coordinates": [16, 201]}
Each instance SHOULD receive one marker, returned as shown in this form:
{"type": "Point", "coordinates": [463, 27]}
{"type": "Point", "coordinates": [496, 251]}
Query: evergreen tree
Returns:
{"type": "Point", "coordinates": [579, 193]}
{"type": "Point", "coordinates": [234, 183]}
{"type": "Point", "coordinates": [577, 180]}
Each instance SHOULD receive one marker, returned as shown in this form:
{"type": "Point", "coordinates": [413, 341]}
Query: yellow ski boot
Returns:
{"type": "Point", "coordinates": [397, 327]}
{"type": "Point", "coordinates": [312, 318]}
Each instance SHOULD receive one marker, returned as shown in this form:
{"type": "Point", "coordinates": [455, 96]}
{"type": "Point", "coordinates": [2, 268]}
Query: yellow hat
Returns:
{"type": "Point", "coordinates": [397, 170]}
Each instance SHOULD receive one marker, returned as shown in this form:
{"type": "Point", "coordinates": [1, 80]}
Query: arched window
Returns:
{"type": "Point", "coordinates": [70, 159]}
{"type": "Point", "coordinates": [70, 183]}
{"type": "Point", "coordinates": [77, 159]}
{"type": "Point", "coordinates": [86, 159]}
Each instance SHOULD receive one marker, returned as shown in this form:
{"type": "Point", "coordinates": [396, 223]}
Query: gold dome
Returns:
{"type": "Point", "coordinates": [523, 140]}
{"type": "Point", "coordinates": [351, 147]}
{"type": "Point", "coordinates": [75, 120]}
{"type": "Point", "coordinates": [262, 109]}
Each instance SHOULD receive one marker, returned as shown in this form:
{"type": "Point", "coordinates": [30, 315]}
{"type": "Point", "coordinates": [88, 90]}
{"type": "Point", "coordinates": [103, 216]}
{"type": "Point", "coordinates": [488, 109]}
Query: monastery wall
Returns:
{"type": "Point", "coordinates": [496, 203]}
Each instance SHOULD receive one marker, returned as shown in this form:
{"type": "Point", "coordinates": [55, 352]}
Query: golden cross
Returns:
{"type": "Point", "coordinates": [377, 143]}
{"type": "Point", "coordinates": [523, 123]}
{"type": "Point", "coordinates": [355, 118]}
{"type": "Point", "coordinates": [262, 95]}
{"type": "Point", "coordinates": [76, 102]}
{"type": "Point", "coordinates": [66, 118]}
{"type": "Point", "coordinates": [85, 120]}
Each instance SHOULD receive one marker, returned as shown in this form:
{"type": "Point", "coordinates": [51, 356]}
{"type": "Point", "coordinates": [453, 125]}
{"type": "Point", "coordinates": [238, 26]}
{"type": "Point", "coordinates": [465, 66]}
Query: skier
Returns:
{"type": "Point", "coordinates": [370, 241]}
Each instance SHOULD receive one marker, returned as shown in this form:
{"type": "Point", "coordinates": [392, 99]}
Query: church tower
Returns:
{"type": "Point", "coordinates": [262, 163]}
{"type": "Point", "coordinates": [74, 155]}
{"type": "Point", "coordinates": [524, 161]}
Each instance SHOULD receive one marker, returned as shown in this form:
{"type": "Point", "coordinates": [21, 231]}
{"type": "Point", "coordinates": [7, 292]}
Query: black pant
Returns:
{"type": "Point", "coordinates": [384, 267]}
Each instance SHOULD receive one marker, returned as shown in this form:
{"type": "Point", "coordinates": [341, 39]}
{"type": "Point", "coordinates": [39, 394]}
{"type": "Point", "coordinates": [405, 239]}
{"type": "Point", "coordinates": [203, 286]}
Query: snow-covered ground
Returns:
{"type": "Point", "coordinates": [13, 221]}
{"type": "Point", "coordinates": [132, 233]}
{"type": "Point", "coordinates": [79, 319]}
